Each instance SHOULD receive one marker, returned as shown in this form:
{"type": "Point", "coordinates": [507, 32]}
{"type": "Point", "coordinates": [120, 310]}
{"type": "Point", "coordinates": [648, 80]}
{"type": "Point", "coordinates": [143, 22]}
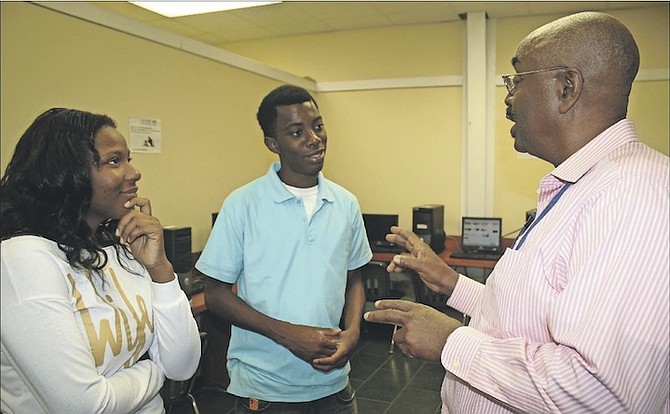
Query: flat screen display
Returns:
{"type": "Point", "coordinates": [481, 233]}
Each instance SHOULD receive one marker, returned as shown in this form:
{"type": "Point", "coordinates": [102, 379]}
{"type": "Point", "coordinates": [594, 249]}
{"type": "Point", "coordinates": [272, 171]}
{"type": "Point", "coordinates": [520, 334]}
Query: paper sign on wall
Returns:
{"type": "Point", "coordinates": [145, 135]}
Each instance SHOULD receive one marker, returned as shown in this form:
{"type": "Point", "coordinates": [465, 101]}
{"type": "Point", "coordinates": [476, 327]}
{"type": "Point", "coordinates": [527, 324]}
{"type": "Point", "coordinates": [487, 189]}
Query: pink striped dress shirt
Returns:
{"type": "Point", "coordinates": [576, 320]}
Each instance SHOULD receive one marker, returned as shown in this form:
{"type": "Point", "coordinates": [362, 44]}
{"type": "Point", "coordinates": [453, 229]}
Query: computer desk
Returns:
{"type": "Point", "coordinates": [452, 244]}
{"type": "Point", "coordinates": [198, 303]}
{"type": "Point", "coordinates": [218, 339]}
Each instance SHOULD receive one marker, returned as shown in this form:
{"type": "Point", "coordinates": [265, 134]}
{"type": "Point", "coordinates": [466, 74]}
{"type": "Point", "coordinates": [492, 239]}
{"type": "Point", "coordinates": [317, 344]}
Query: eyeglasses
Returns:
{"type": "Point", "coordinates": [511, 83]}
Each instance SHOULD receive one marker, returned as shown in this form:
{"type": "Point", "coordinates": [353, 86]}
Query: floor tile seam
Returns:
{"type": "Point", "coordinates": [375, 371]}
{"type": "Point", "coordinates": [403, 389]}
{"type": "Point", "coordinates": [372, 400]}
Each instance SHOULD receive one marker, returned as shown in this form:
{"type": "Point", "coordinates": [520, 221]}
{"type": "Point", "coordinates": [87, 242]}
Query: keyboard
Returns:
{"type": "Point", "coordinates": [476, 255]}
{"type": "Point", "coordinates": [386, 248]}
{"type": "Point", "coordinates": [192, 282]}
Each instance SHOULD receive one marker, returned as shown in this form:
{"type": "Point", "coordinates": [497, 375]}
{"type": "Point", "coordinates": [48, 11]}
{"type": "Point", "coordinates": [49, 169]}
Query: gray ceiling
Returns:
{"type": "Point", "coordinates": [305, 17]}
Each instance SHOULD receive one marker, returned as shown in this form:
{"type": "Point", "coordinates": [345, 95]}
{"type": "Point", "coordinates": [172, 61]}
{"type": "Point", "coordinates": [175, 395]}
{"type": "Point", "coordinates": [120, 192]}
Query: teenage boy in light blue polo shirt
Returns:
{"type": "Point", "coordinates": [293, 242]}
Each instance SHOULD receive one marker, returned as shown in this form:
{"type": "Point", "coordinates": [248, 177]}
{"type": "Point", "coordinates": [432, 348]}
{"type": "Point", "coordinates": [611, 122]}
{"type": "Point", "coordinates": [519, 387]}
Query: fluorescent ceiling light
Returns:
{"type": "Point", "coordinates": [186, 8]}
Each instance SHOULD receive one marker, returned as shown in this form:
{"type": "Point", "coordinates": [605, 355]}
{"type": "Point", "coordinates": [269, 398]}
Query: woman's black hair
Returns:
{"type": "Point", "coordinates": [46, 189]}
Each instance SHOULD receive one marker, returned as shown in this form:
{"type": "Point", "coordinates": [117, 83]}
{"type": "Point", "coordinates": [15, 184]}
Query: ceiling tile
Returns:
{"type": "Point", "coordinates": [230, 36]}
{"type": "Point", "coordinates": [273, 14]}
{"type": "Point", "coordinates": [328, 10]}
{"type": "Point", "coordinates": [493, 9]}
{"type": "Point", "coordinates": [358, 22]}
{"type": "Point", "coordinates": [294, 30]}
{"type": "Point", "coordinates": [128, 10]}
{"type": "Point", "coordinates": [303, 17]}
{"type": "Point", "coordinates": [216, 22]}
{"type": "Point", "coordinates": [562, 7]}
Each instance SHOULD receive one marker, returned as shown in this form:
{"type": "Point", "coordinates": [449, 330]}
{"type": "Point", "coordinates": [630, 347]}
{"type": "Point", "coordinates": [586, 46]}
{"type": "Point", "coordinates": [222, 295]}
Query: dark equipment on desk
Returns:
{"type": "Point", "coordinates": [481, 238]}
{"type": "Point", "coordinates": [530, 216]}
{"type": "Point", "coordinates": [178, 247]}
{"type": "Point", "coordinates": [178, 251]}
{"type": "Point", "coordinates": [428, 224]}
{"type": "Point", "coordinates": [377, 226]}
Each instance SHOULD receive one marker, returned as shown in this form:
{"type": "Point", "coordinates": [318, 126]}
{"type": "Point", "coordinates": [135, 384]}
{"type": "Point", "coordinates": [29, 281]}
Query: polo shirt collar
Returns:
{"type": "Point", "coordinates": [279, 193]}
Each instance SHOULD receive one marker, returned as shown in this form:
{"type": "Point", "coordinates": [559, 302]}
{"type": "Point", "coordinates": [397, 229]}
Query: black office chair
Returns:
{"type": "Point", "coordinates": [377, 285]}
{"type": "Point", "coordinates": [176, 392]}
{"type": "Point", "coordinates": [435, 300]}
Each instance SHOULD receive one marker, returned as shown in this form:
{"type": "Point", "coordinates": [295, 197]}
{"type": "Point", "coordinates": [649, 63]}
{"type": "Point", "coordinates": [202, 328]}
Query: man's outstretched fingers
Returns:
{"type": "Point", "coordinates": [390, 311]}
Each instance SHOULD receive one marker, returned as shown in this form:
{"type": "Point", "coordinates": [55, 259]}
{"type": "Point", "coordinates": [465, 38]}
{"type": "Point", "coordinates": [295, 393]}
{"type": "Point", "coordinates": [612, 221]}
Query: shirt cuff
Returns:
{"type": "Point", "coordinates": [167, 292]}
{"type": "Point", "coordinates": [461, 350]}
{"type": "Point", "coordinates": [466, 295]}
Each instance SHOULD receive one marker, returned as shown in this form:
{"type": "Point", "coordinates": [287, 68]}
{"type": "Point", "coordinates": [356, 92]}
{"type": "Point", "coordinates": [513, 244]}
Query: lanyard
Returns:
{"type": "Point", "coordinates": [532, 222]}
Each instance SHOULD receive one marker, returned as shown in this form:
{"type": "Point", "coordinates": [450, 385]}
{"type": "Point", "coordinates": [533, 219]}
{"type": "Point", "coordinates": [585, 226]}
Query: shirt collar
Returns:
{"type": "Point", "coordinates": [579, 163]}
{"type": "Point", "coordinates": [279, 193]}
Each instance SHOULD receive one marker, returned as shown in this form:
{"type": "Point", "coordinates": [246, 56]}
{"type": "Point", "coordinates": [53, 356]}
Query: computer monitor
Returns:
{"type": "Point", "coordinates": [378, 226]}
{"type": "Point", "coordinates": [481, 234]}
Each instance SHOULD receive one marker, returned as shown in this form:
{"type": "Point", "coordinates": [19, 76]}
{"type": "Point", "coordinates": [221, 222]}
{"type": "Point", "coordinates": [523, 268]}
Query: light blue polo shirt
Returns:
{"type": "Point", "coordinates": [287, 267]}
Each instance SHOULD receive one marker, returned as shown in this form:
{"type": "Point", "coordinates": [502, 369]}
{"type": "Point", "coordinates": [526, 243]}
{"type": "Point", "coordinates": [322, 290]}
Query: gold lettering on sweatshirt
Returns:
{"type": "Point", "coordinates": [141, 319]}
{"type": "Point", "coordinates": [101, 334]}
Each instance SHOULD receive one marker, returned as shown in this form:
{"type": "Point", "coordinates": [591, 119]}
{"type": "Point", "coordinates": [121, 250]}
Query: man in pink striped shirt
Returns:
{"type": "Point", "coordinates": [574, 318]}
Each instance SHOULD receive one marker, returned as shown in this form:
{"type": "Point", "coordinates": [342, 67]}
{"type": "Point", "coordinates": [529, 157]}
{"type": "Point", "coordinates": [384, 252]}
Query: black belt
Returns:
{"type": "Point", "coordinates": [255, 404]}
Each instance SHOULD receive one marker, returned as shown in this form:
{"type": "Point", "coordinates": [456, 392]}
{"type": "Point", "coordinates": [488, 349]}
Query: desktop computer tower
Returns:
{"type": "Point", "coordinates": [428, 224]}
{"type": "Point", "coordinates": [178, 247]}
{"type": "Point", "coordinates": [530, 215]}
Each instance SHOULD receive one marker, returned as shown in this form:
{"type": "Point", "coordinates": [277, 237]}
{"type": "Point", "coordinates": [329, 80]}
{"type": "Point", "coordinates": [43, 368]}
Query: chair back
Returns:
{"type": "Point", "coordinates": [376, 281]}
{"type": "Point", "coordinates": [175, 392]}
{"type": "Point", "coordinates": [426, 296]}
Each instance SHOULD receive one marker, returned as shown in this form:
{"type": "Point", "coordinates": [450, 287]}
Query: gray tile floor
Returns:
{"type": "Point", "coordinates": [385, 383]}
{"type": "Point", "coordinates": [392, 383]}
